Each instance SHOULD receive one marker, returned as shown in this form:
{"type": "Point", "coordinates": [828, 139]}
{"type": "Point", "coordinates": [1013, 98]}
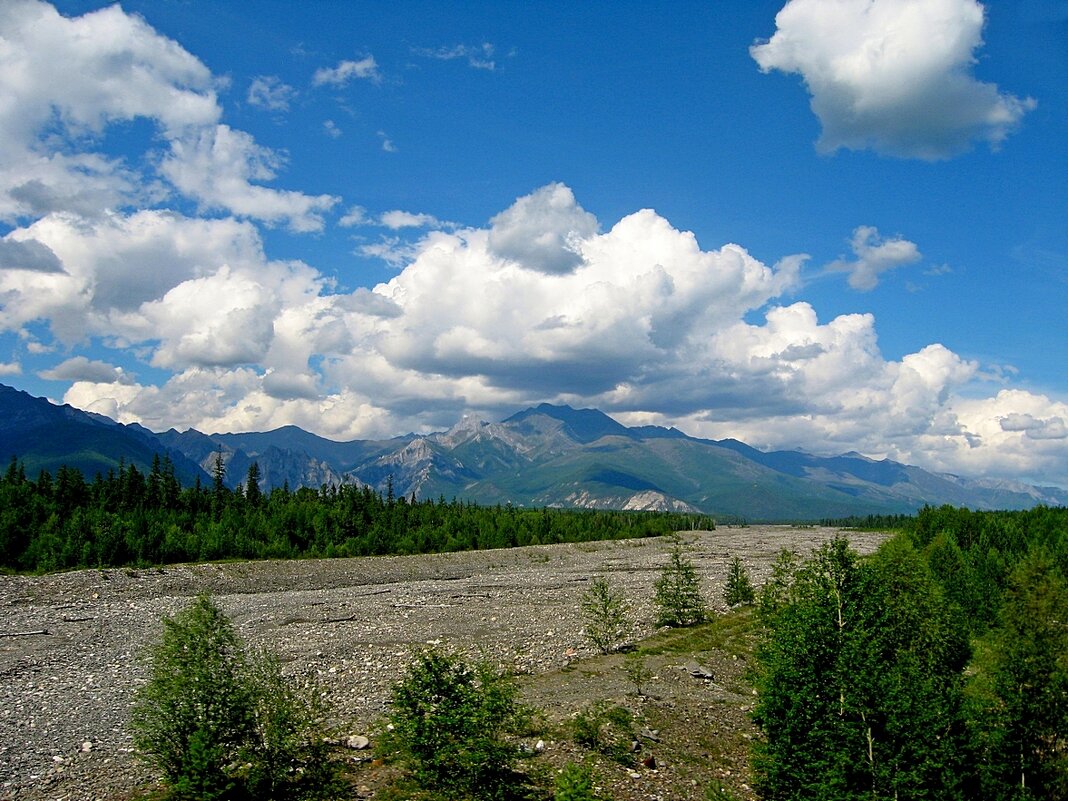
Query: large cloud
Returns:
{"type": "Point", "coordinates": [893, 75]}
{"type": "Point", "coordinates": [647, 324]}
{"type": "Point", "coordinates": [65, 80]}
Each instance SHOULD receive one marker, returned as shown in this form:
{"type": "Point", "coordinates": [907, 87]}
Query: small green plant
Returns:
{"type": "Point", "coordinates": [220, 723]}
{"type": "Point", "coordinates": [575, 783]}
{"type": "Point", "coordinates": [604, 612]}
{"type": "Point", "coordinates": [449, 723]}
{"type": "Point", "coordinates": [739, 589]}
{"type": "Point", "coordinates": [678, 596]}
{"type": "Point", "coordinates": [606, 729]}
{"type": "Point", "coordinates": [637, 671]}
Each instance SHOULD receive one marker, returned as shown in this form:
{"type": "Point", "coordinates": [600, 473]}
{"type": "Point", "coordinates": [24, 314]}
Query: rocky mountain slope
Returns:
{"type": "Point", "coordinates": [542, 456]}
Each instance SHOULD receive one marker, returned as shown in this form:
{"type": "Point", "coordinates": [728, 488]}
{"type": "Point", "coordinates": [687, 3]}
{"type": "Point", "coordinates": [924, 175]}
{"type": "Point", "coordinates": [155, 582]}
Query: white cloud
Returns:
{"type": "Point", "coordinates": [331, 129]}
{"type": "Point", "coordinates": [644, 323]}
{"type": "Point", "coordinates": [875, 256]}
{"type": "Point", "coordinates": [477, 56]}
{"type": "Point", "coordinates": [541, 230]}
{"type": "Point", "coordinates": [356, 215]}
{"type": "Point", "coordinates": [79, 368]}
{"type": "Point", "coordinates": [10, 368]}
{"type": "Point", "coordinates": [387, 143]}
{"type": "Point", "coordinates": [66, 80]}
{"type": "Point", "coordinates": [366, 68]}
{"type": "Point", "coordinates": [892, 75]}
{"type": "Point", "coordinates": [114, 264]}
{"type": "Point", "coordinates": [270, 93]}
{"type": "Point", "coordinates": [216, 166]}
{"type": "Point", "coordinates": [397, 219]}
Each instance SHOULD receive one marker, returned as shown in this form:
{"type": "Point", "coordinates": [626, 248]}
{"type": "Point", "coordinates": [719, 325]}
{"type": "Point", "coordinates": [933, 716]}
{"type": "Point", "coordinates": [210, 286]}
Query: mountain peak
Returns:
{"type": "Point", "coordinates": [582, 425]}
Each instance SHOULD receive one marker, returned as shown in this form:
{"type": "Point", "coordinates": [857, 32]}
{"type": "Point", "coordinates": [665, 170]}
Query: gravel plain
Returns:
{"type": "Point", "coordinates": [72, 645]}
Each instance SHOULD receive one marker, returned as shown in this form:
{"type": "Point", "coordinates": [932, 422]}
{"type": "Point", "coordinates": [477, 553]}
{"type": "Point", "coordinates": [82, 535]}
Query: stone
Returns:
{"type": "Point", "coordinates": [357, 742]}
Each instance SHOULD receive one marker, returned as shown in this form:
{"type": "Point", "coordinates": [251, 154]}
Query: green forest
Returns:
{"type": "Point", "coordinates": [129, 518]}
{"type": "Point", "coordinates": [935, 669]}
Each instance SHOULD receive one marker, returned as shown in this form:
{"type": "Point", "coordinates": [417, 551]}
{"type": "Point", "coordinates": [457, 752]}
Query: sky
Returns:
{"type": "Point", "coordinates": [832, 225]}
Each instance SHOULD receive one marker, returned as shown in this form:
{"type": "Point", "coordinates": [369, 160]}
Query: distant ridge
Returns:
{"type": "Point", "coordinates": [546, 455]}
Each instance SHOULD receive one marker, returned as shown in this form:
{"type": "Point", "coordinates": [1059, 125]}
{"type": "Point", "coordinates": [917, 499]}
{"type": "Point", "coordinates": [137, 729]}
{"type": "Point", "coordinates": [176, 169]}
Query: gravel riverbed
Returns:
{"type": "Point", "coordinates": [72, 645]}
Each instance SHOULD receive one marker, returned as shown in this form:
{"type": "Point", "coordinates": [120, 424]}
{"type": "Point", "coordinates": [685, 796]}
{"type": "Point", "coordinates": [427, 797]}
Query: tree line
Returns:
{"type": "Point", "coordinates": [132, 518]}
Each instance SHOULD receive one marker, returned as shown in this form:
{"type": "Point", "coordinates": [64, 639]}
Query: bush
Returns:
{"type": "Point", "coordinates": [449, 723]}
{"type": "Point", "coordinates": [575, 783]}
{"type": "Point", "coordinates": [637, 671]}
{"type": "Point", "coordinates": [221, 724]}
{"type": "Point", "coordinates": [739, 589]}
{"type": "Point", "coordinates": [678, 593]}
{"type": "Point", "coordinates": [606, 729]}
{"type": "Point", "coordinates": [605, 614]}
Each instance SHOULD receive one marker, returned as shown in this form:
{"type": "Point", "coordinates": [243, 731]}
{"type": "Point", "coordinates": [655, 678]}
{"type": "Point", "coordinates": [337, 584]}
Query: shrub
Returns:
{"type": "Point", "coordinates": [221, 724]}
{"type": "Point", "coordinates": [605, 614]}
{"type": "Point", "coordinates": [575, 783]}
{"type": "Point", "coordinates": [739, 589]}
{"type": "Point", "coordinates": [678, 593]}
{"type": "Point", "coordinates": [606, 729]}
{"type": "Point", "coordinates": [449, 723]}
{"type": "Point", "coordinates": [637, 671]}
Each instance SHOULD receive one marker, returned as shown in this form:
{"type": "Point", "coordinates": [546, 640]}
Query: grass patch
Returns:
{"type": "Point", "coordinates": [733, 633]}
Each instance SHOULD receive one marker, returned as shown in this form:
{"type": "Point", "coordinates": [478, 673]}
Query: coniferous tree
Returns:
{"type": "Point", "coordinates": [678, 598]}
{"type": "Point", "coordinates": [739, 587]}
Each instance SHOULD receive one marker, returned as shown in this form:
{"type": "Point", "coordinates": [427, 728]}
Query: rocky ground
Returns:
{"type": "Point", "coordinates": [72, 648]}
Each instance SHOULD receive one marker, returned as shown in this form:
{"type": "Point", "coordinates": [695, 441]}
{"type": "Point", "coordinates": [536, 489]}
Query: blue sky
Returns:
{"type": "Point", "coordinates": [824, 225]}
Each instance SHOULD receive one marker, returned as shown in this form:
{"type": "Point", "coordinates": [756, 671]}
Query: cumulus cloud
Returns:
{"type": "Point", "coordinates": [79, 368]}
{"type": "Point", "coordinates": [366, 68]}
{"type": "Point", "coordinates": [66, 80]}
{"type": "Point", "coordinates": [875, 256]}
{"type": "Point", "coordinates": [892, 75]}
{"type": "Point", "coordinates": [542, 230]}
{"type": "Point", "coordinates": [643, 322]}
{"type": "Point", "coordinates": [270, 93]}
{"type": "Point", "coordinates": [10, 368]}
{"type": "Point", "coordinates": [217, 166]}
{"type": "Point", "coordinates": [115, 263]}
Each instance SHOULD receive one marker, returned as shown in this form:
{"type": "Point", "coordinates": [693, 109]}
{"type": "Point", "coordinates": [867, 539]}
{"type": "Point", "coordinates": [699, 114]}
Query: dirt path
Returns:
{"type": "Point", "coordinates": [70, 654]}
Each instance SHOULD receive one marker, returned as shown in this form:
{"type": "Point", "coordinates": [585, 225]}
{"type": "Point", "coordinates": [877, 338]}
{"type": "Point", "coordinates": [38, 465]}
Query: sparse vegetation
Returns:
{"type": "Point", "coordinates": [575, 783]}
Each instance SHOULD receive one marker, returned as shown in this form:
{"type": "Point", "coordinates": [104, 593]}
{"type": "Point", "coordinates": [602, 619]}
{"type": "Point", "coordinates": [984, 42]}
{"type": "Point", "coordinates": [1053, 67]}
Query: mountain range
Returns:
{"type": "Point", "coordinates": [542, 456]}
